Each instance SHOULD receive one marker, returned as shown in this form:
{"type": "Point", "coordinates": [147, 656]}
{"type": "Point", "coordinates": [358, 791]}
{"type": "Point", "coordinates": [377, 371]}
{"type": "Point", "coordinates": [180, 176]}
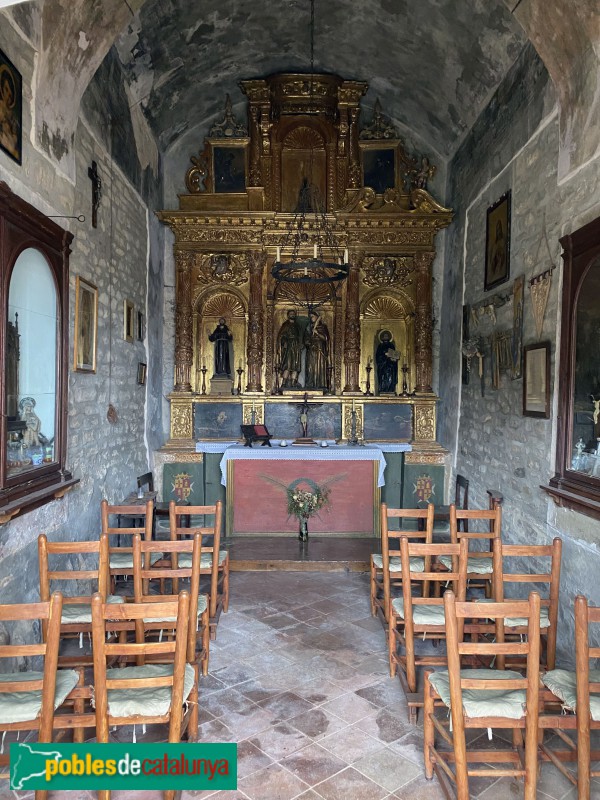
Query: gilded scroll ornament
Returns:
{"type": "Point", "coordinates": [380, 127]}
{"type": "Point", "coordinates": [181, 421]}
{"type": "Point", "coordinates": [257, 409]}
{"type": "Point", "coordinates": [347, 429]}
{"type": "Point", "coordinates": [421, 200]}
{"type": "Point", "coordinates": [425, 423]}
{"type": "Point", "coordinates": [228, 127]}
{"type": "Point", "coordinates": [388, 270]}
{"type": "Point", "coordinates": [223, 268]}
{"type": "Point", "coordinates": [417, 457]}
{"type": "Point", "coordinates": [195, 177]}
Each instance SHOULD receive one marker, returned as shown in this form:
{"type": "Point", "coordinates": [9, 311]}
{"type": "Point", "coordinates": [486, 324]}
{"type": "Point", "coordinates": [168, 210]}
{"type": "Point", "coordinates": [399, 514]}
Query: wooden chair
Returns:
{"type": "Point", "coordinates": [40, 701]}
{"type": "Point", "coordinates": [170, 568]}
{"type": "Point", "coordinates": [578, 696]}
{"type": "Point", "coordinates": [488, 525]}
{"type": "Point", "coordinates": [217, 568]}
{"type": "Point", "coordinates": [76, 617]}
{"type": "Point", "coordinates": [510, 700]}
{"type": "Point", "coordinates": [518, 554]}
{"type": "Point", "coordinates": [413, 618]}
{"type": "Point", "coordinates": [121, 557]}
{"type": "Point", "coordinates": [386, 569]}
{"type": "Point", "coordinates": [156, 692]}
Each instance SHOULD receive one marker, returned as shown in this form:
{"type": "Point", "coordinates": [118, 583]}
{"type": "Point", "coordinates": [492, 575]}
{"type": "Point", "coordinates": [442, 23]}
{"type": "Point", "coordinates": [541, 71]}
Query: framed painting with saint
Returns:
{"type": "Point", "coordinates": [11, 107]}
{"type": "Point", "coordinates": [497, 243]}
{"type": "Point", "coordinates": [86, 326]}
{"type": "Point", "coordinates": [379, 168]}
{"type": "Point", "coordinates": [229, 168]}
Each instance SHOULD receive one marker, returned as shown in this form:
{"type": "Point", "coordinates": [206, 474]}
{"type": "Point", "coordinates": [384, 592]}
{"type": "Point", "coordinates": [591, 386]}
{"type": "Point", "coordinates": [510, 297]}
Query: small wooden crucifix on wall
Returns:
{"type": "Point", "coordinates": [96, 192]}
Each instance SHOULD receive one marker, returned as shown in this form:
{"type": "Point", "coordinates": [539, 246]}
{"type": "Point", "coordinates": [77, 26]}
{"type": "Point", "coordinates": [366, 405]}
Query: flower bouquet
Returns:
{"type": "Point", "coordinates": [304, 503]}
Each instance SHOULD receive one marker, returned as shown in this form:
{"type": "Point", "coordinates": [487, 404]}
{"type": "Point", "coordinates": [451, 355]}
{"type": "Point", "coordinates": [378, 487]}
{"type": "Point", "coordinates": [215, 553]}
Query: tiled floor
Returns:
{"type": "Point", "coordinates": [299, 678]}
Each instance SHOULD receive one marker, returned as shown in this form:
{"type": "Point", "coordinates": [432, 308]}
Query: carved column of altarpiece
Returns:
{"type": "Point", "coordinates": [378, 208]}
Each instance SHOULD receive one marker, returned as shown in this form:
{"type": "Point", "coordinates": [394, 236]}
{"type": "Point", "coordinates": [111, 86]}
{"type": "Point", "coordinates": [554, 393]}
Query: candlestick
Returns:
{"type": "Point", "coordinates": [203, 371]}
{"type": "Point", "coordinates": [240, 372]}
{"type": "Point", "coordinates": [405, 369]}
{"type": "Point", "coordinates": [369, 393]}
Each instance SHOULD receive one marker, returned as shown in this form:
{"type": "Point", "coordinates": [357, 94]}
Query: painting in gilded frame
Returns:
{"type": "Point", "coordinates": [11, 109]}
{"type": "Point", "coordinates": [497, 243]}
{"type": "Point", "coordinates": [86, 326]}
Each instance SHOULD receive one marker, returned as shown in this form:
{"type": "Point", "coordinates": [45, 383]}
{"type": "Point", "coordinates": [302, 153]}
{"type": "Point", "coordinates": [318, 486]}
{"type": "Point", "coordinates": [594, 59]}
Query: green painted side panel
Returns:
{"type": "Point", "coordinates": [423, 484]}
{"type": "Point", "coordinates": [183, 481]}
{"type": "Point", "coordinates": [391, 493]}
{"type": "Point", "coordinates": [213, 488]}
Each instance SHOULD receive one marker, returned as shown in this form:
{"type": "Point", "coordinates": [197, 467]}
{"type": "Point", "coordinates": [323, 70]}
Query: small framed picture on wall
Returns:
{"type": "Point", "coordinates": [139, 326]}
{"type": "Point", "coordinates": [11, 104]}
{"type": "Point", "coordinates": [497, 243]}
{"type": "Point", "coordinates": [536, 383]}
{"type": "Point", "coordinates": [128, 320]}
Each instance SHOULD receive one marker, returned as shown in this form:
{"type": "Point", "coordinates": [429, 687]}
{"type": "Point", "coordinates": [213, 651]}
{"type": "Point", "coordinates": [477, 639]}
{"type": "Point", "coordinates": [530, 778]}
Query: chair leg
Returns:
{"type": "Point", "coordinates": [428, 728]}
{"type": "Point", "coordinates": [226, 586]}
{"type": "Point", "coordinates": [373, 589]}
{"type": "Point", "coordinates": [205, 624]}
{"type": "Point", "coordinates": [583, 758]}
{"type": "Point", "coordinates": [392, 644]}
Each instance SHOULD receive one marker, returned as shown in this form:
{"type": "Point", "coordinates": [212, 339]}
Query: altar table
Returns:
{"type": "Point", "coordinates": [258, 479]}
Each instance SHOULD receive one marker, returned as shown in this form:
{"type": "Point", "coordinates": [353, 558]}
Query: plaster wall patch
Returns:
{"type": "Point", "coordinates": [83, 42]}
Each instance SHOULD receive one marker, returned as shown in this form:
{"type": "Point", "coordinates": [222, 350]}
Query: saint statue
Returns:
{"type": "Point", "coordinates": [386, 359]}
{"type": "Point", "coordinates": [316, 341]}
{"type": "Point", "coordinates": [290, 352]}
{"type": "Point", "coordinates": [221, 336]}
{"type": "Point", "coordinates": [32, 433]}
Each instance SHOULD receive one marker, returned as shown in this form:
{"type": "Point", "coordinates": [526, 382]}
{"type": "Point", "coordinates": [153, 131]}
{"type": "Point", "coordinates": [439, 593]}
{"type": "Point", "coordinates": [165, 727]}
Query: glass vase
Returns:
{"type": "Point", "coordinates": [303, 533]}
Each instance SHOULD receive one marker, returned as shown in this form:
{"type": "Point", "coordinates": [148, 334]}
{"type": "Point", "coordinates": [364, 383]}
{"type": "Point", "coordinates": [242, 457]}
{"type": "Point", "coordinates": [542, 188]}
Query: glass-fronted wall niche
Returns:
{"type": "Point", "coordinates": [34, 323]}
{"type": "Point", "coordinates": [576, 482]}
{"type": "Point", "coordinates": [585, 441]}
{"type": "Point", "coordinates": [31, 363]}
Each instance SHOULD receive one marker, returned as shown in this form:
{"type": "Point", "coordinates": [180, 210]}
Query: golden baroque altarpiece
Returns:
{"type": "Point", "coordinates": [242, 190]}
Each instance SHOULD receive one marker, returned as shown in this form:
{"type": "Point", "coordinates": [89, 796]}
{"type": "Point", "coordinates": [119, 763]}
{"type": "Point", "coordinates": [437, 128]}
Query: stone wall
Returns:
{"type": "Point", "coordinates": [515, 145]}
{"type": "Point", "coordinates": [123, 258]}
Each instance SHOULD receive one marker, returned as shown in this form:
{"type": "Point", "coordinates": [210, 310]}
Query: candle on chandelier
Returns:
{"type": "Point", "coordinates": [353, 405]}
{"type": "Point", "coordinates": [240, 363]}
{"type": "Point", "coordinates": [278, 253]}
{"type": "Point", "coordinates": [315, 251]}
{"type": "Point", "coordinates": [346, 256]}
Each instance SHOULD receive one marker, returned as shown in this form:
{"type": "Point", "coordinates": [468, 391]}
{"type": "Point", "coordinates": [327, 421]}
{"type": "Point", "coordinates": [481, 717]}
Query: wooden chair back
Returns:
{"type": "Point", "coordinates": [145, 571]}
{"type": "Point", "coordinates": [550, 577]}
{"type": "Point", "coordinates": [147, 479]}
{"type": "Point", "coordinates": [480, 524]}
{"type": "Point", "coordinates": [211, 538]}
{"type": "Point", "coordinates": [457, 551]}
{"type": "Point", "coordinates": [585, 615]}
{"type": "Point", "coordinates": [461, 499]}
{"type": "Point", "coordinates": [390, 539]}
{"type": "Point", "coordinates": [48, 613]}
{"type": "Point", "coordinates": [456, 612]}
{"type": "Point", "coordinates": [171, 650]}
{"type": "Point", "coordinates": [110, 527]}
{"type": "Point", "coordinates": [97, 575]}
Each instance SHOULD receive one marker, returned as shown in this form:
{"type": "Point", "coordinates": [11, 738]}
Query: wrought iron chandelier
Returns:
{"type": "Point", "coordinates": [328, 264]}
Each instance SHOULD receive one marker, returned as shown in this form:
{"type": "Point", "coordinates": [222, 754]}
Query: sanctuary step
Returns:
{"type": "Point", "coordinates": [319, 554]}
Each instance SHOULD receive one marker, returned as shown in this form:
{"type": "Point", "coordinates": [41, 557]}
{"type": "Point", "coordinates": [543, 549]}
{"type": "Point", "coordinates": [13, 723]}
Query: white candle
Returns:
{"type": "Point", "coordinates": [353, 407]}
{"type": "Point", "coordinates": [278, 253]}
{"type": "Point", "coordinates": [346, 256]}
{"type": "Point", "coordinates": [315, 251]}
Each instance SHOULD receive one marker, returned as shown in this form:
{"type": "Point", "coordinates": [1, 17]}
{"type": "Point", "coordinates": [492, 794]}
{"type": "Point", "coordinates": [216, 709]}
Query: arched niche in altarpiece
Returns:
{"type": "Point", "coordinates": [209, 306]}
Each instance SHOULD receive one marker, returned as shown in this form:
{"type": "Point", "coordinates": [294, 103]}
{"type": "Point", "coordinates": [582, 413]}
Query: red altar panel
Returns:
{"type": "Point", "coordinates": [258, 491]}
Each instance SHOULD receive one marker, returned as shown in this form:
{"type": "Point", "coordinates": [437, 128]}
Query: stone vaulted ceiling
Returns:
{"type": "Point", "coordinates": [434, 64]}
